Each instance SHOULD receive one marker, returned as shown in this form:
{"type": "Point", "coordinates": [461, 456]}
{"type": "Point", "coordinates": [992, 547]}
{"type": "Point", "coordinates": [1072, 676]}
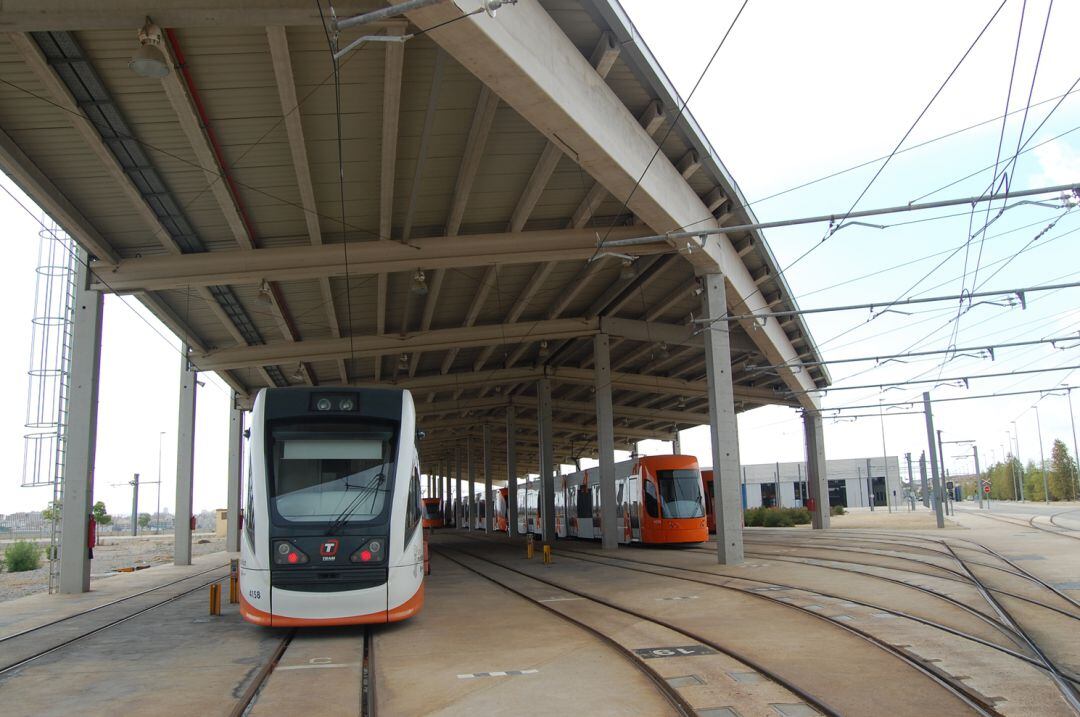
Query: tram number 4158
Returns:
{"type": "Point", "coordinates": [649, 653]}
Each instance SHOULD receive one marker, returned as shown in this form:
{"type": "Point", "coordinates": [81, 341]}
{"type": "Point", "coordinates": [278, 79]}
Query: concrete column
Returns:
{"type": "Point", "coordinates": [235, 480]}
{"type": "Point", "coordinates": [448, 496]}
{"type": "Point", "coordinates": [472, 481]}
{"type": "Point", "coordinates": [817, 482]}
{"type": "Point", "coordinates": [81, 435]}
{"type": "Point", "coordinates": [185, 461]}
{"type": "Point", "coordinates": [511, 471]}
{"type": "Point", "coordinates": [489, 508]}
{"type": "Point", "coordinates": [722, 424]}
{"type": "Point", "coordinates": [605, 440]}
{"type": "Point", "coordinates": [457, 489]}
{"type": "Point", "coordinates": [547, 459]}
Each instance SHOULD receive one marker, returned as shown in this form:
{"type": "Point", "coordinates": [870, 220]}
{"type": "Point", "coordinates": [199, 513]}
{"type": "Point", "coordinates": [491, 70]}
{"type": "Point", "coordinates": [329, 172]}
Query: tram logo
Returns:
{"type": "Point", "coordinates": [328, 548]}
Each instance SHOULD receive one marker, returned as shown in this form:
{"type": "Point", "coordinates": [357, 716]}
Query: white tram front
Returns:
{"type": "Point", "coordinates": [332, 530]}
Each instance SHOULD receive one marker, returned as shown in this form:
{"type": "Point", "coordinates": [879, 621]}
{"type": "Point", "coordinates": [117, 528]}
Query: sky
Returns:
{"type": "Point", "coordinates": [798, 91]}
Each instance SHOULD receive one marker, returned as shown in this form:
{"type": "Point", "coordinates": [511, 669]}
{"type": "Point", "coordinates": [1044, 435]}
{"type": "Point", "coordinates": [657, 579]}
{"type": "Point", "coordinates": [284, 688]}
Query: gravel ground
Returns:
{"type": "Point", "coordinates": [116, 552]}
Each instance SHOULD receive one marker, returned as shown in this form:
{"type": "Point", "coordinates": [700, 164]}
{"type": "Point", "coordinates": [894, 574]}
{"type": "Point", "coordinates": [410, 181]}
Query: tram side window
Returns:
{"type": "Point", "coordinates": [651, 505]}
{"type": "Point", "coordinates": [249, 514]}
{"type": "Point", "coordinates": [584, 502]}
{"type": "Point", "coordinates": [412, 508]}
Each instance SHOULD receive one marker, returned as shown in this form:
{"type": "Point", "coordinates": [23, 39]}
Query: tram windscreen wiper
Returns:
{"type": "Point", "coordinates": [371, 488]}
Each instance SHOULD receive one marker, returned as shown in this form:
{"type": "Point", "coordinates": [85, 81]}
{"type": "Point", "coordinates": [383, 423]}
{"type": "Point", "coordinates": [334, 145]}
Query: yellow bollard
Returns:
{"type": "Point", "coordinates": [215, 599]}
{"type": "Point", "coordinates": [529, 546]}
{"type": "Point", "coordinates": [547, 555]}
{"type": "Point", "coordinates": [234, 590]}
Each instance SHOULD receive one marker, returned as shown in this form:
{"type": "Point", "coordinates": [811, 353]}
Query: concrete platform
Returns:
{"type": "Point", "coordinates": [783, 634]}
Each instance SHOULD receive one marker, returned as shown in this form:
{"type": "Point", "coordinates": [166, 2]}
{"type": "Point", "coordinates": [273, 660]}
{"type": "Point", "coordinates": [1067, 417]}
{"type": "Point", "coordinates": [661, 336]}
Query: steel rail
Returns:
{"type": "Point", "coordinates": [256, 684]}
{"type": "Point", "coordinates": [107, 604]}
{"type": "Point", "coordinates": [1007, 631]}
{"type": "Point", "coordinates": [1065, 686]}
{"type": "Point", "coordinates": [957, 689]}
{"type": "Point", "coordinates": [670, 693]}
{"type": "Point", "coordinates": [19, 663]}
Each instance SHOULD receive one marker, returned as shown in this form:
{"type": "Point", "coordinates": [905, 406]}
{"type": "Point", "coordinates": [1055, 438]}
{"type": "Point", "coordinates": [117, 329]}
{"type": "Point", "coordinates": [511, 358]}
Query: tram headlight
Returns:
{"type": "Point", "coordinates": [323, 404]}
{"type": "Point", "coordinates": [285, 553]}
{"type": "Point", "coordinates": [346, 404]}
{"type": "Point", "coordinates": [371, 551]}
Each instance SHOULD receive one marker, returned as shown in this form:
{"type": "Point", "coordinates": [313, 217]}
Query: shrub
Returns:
{"type": "Point", "coordinates": [800, 516]}
{"type": "Point", "coordinates": [778, 518]}
{"type": "Point", "coordinates": [21, 556]}
{"type": "Point", "coordinates": [753, 517]}
{"type": "Point", "coordinates": [837, 510]}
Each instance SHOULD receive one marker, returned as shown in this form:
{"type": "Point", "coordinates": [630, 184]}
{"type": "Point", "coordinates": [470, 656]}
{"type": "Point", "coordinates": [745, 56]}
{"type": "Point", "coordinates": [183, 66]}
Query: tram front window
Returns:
{"type": "Point", "coordinates": [330, 475]}
{"type": "Point", "coordinates": [680, 494]}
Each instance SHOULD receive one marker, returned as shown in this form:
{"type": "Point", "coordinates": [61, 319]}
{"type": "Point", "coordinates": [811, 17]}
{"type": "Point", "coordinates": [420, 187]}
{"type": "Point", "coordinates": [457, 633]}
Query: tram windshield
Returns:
{"type": "Point", "coordinates": [330, 473]}
{"type": "Point", "coordinates": [432, 509]}
{"type": "Point", "coordinates": [680, 494]}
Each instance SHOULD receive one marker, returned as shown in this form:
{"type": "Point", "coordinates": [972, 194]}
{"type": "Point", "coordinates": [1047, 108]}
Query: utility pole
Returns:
{"type": "Point", "coordinates": [1016, 437]}
{"type": "Point", "coordinates": [944, 473]}
{"type": "Point", "coordinates": [135, 505]}
{"type": "Point", "coordinates": [910, 479]}
{"type": "Point", "coordinates": [885, 457]}
{"type": "Point", "coordinates": [922, 476]}
{"type": "Point", "coordinates": [869, 486]}
{"type": "Point", "coordinates": [1076, 458]}
{"type": "Point", "coordinates": [1042, 457]}
{"type": "Point", "coordinates": [978, 477]}
{"type": "Point", "coordinates": [933, 459]}
{"type": "Point", "coordinates": [157, 512]}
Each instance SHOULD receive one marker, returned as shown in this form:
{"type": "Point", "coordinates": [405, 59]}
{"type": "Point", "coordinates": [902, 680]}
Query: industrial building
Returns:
{"type": "Point", "coordinates": [853, 483]}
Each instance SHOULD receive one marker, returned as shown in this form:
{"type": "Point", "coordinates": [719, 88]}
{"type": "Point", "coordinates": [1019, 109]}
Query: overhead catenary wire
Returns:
{"type": "Point", "coordinates": [908, 404]}
{"type": "Point", "coordinates": [950, 380]}
{"type": "Point", "coordinates": [1019, 293]}
{"type": "Point", "coordinates": [888, 357]}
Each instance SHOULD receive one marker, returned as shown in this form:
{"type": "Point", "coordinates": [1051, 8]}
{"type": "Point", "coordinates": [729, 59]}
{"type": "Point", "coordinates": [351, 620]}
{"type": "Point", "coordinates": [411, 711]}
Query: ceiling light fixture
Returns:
{"type": "Point", "coordinates": [149, 60]}
{"type": "Point", "coordinates": [419, 283]}
{"type": "Point", "coordinates": [265, 294]}
{"type": "Point", "coordinates": [627, 271]}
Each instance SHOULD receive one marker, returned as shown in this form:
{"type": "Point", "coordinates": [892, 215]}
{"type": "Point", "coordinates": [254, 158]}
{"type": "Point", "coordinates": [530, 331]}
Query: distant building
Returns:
{"type": "Point", "coordinates": [852, 483]}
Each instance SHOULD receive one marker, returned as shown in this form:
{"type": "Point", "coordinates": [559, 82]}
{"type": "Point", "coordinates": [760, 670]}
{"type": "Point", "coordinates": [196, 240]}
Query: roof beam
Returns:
{"type": "Point", "coordinates": [37, 186]}
{"type": "Point", "coordinates": [483, 117]}
{"type": "Point", "coordinates": [366, 346]}
{"type": "Point", "coordinates": [556, 91]}
{"type": "Point", "coordinates": [33, 15]}
{"type": "Point", "coordinates": [179, 89]}
{"type": "Point", "coordinates": [583, 407]}
{"type": "Point", "coordinates": [281, 59]}
{"type": "Point", "coordinates": [310, 262]}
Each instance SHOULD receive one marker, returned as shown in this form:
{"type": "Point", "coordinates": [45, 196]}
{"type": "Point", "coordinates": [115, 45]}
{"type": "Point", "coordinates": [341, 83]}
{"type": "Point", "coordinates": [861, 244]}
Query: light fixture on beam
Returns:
{"type": "Point", "coordinates": [149, 60]}
{"type": "Point", "coordinates": [298, 374]}
{"type": "Point", "coordinates": [419, 283]}
{"type": "Point", "coordinates": [403, 362]}
{"type": "Point", "coordinates": [627, 270]}
{"type": "Point", "coordinates": [543, 353]}
{"type": "Point", "coordinates": [265, 294]}
{"type": "Point", "coordinates": [662, 351]}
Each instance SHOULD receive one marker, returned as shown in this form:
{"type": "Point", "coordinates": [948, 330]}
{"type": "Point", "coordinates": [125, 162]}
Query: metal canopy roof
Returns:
{"type": "Point", "coordinates": [491, 154]}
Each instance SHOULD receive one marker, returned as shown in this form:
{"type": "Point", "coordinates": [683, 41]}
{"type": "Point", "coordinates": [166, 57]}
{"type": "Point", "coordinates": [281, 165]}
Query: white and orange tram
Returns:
{"type": "Point", "coordinates": [332, 532]}
{"type": "Point", "coordinates": [659, 499]}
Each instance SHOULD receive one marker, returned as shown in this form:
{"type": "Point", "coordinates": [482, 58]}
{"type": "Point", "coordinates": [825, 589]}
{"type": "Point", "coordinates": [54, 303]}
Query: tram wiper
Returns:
{"type": "Point", "coordinates": [369, 489]}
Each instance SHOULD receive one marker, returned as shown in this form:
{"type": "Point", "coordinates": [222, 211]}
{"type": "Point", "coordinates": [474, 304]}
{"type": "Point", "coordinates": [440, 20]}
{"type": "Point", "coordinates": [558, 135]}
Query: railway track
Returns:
{"type": "Point", "coordinates": [29, 645]}
{"type": "Point", "coordinates": [971, 700]}
{"type": "Point", "coordinates": [1030, 523]}
{"type": "Point", "coordinates": [1066, 686]}
{"type": "Point", "coordinates": [959, 578]}
{"type": "Point", "coordinates": [73, 616]}
{"type": "Point", "coordinates": [672, 695]}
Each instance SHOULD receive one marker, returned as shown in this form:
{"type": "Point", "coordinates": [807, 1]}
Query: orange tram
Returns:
{"type": "Point", "coordinates": [659, 500]}
{"type": "Point", "coordinates": [433, 517]}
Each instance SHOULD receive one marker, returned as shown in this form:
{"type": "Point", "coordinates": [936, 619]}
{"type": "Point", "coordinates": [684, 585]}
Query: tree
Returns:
{"type": "Point", "coordinates": [1062, 473]}
{"type": "Point", "coordinates": [144, 520]}
{"type": "Point", "coordinates": [100, 516]}
{"type": "Point", "coordinates": [53, 511]}
{"type": "Point", "coordinates": [1033, 483]}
